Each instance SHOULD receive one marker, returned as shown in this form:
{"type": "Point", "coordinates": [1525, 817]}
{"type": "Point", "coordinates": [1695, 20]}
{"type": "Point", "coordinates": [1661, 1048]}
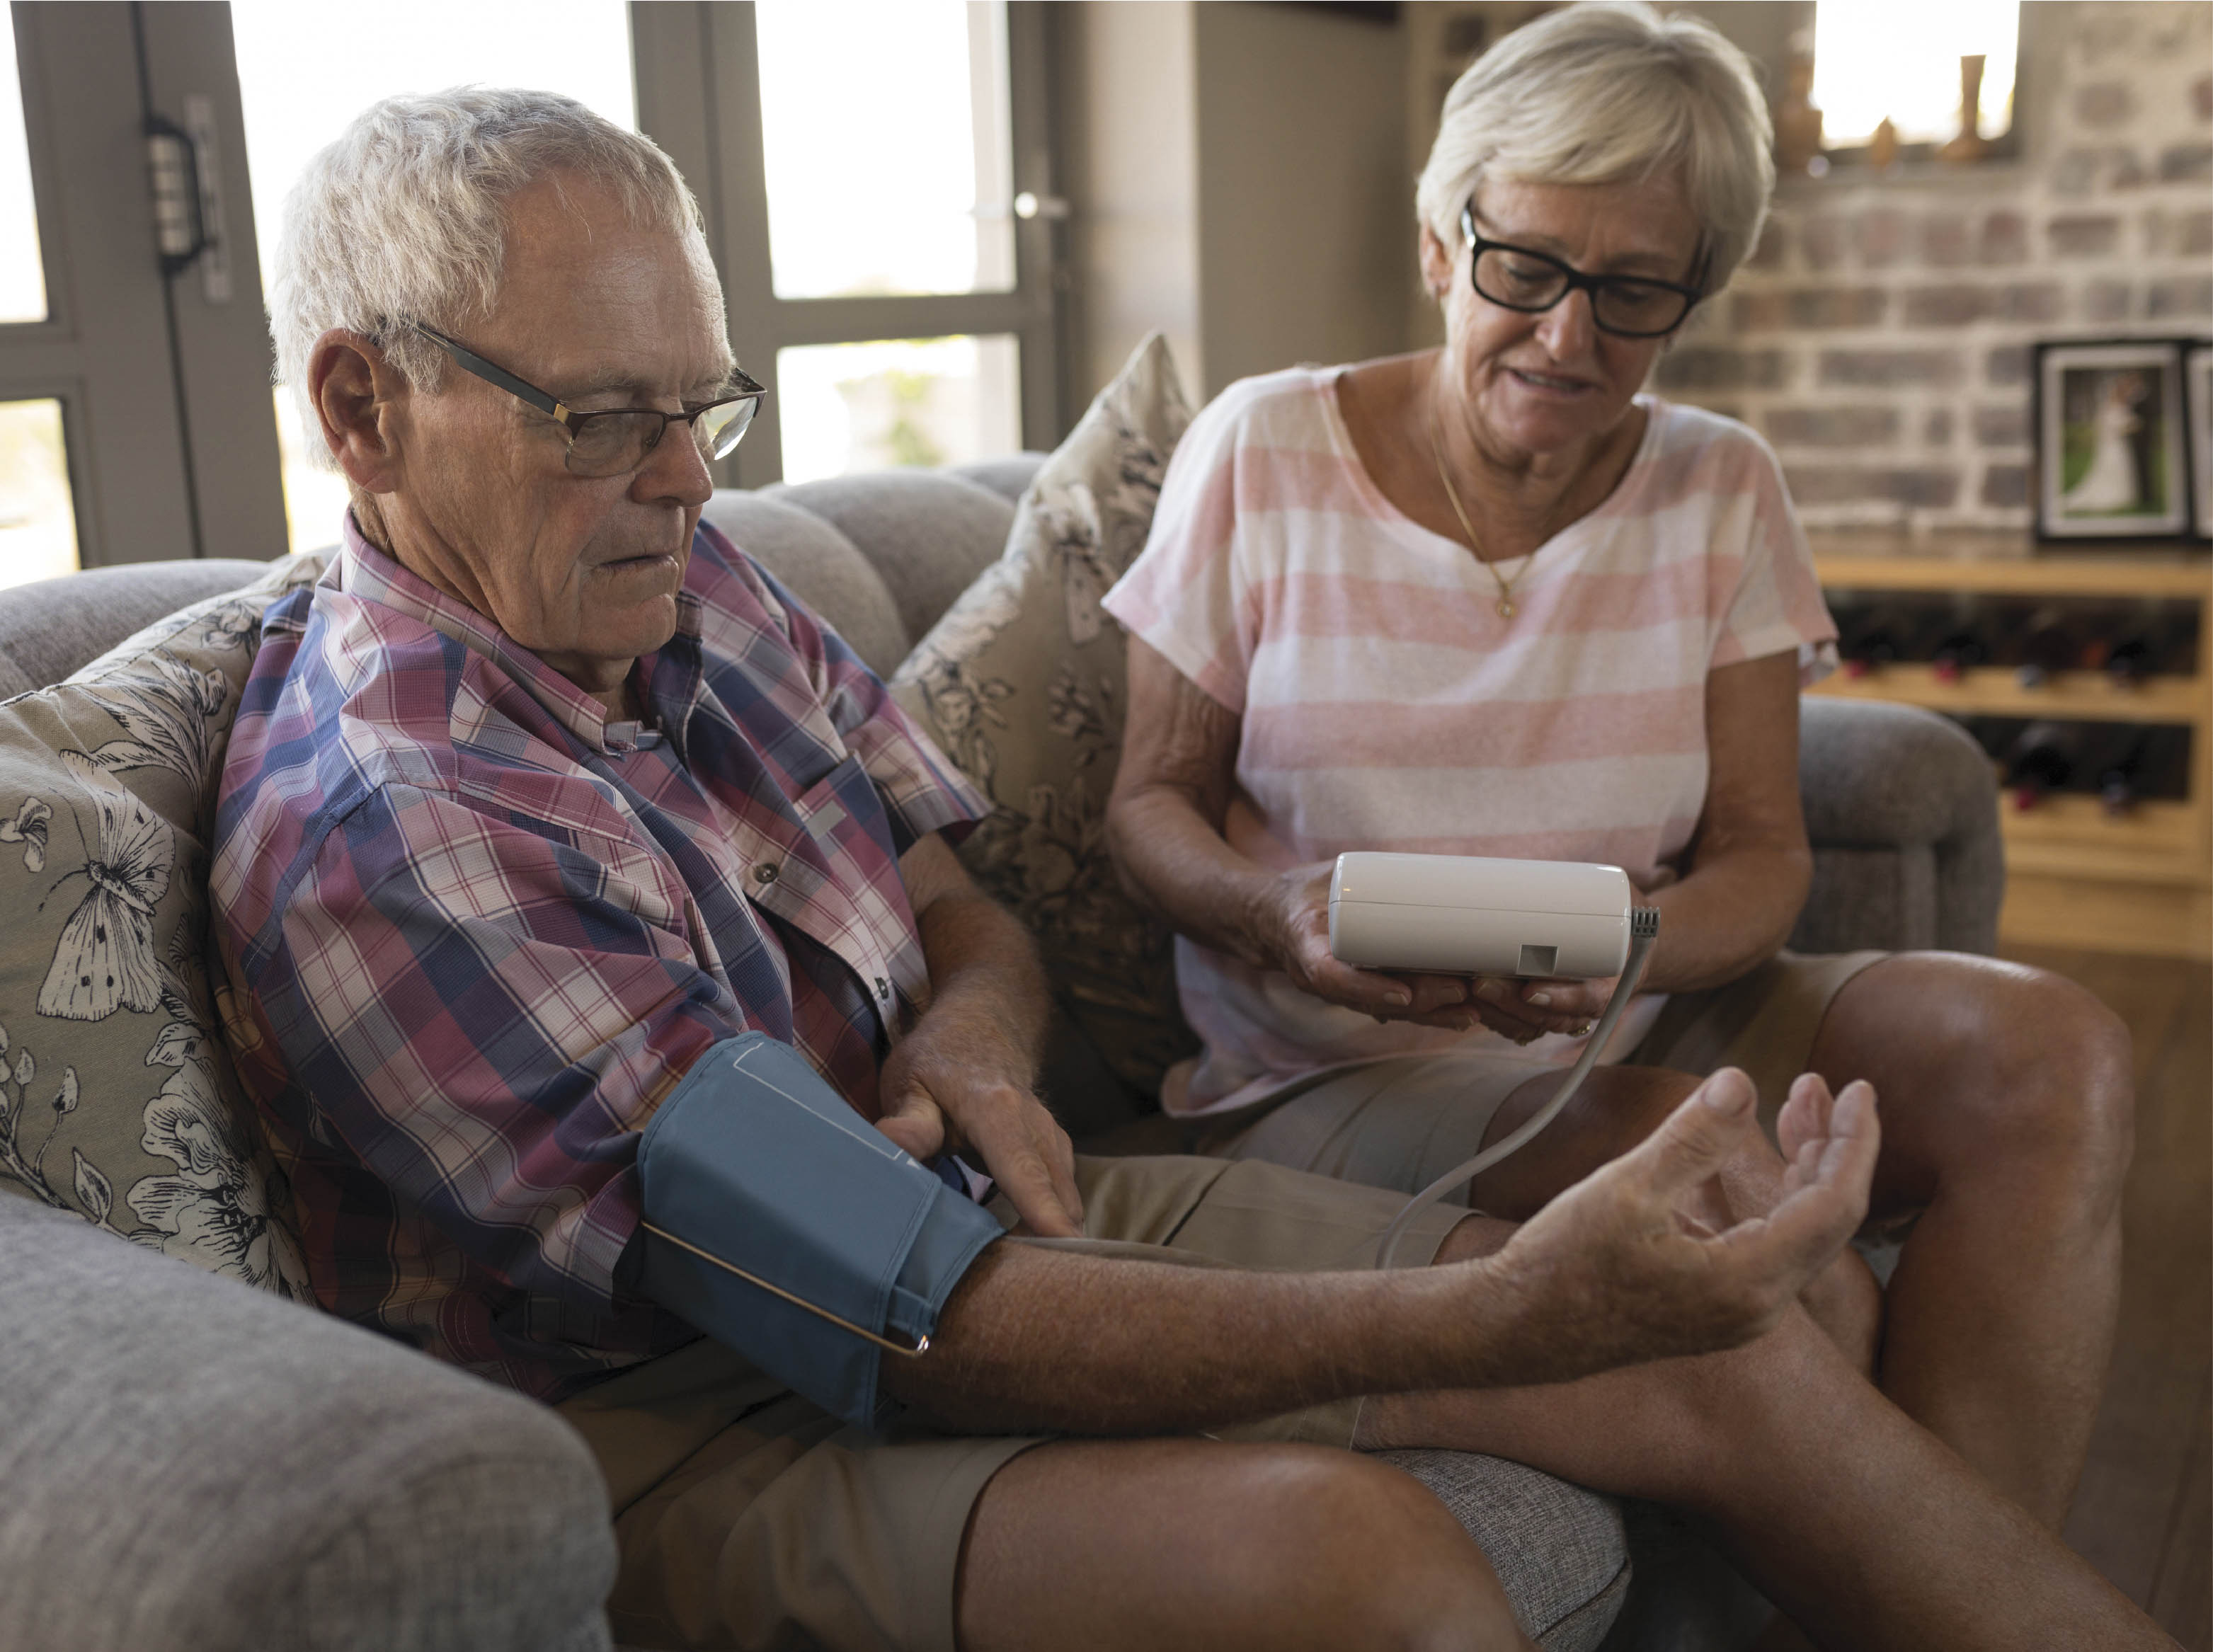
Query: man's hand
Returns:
{"type": "Point", "coordinates": [1615, 1270]}
{"type": "Point", "coordinates": [960, 1079]}
{"type": "Point", "coordinates": [945, 1089]}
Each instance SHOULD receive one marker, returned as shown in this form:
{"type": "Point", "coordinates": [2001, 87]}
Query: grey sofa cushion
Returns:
{"type": "Point", "coordinates": [928, 533]}
{"type": "Point", "coordinates": [1560, 1551]}
{"type": "Point", "coordinates": [1900, 806]}
{"type": "Point", "coordinates": [50, 629]}
{"type": "Point", "coordinates": [1008, 477]}
{"type": "Point", "coordinates": [274, 1478]}
{"type": "Point", "coordinates": [822, 568]}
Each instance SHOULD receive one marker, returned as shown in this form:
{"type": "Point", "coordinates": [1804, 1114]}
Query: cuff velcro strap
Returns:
{"type": "Point", "coordinates": [783, 1225]}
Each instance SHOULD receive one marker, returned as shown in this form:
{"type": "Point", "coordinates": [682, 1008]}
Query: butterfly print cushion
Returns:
{"type": "Point", "coordinates": [116, 1100]}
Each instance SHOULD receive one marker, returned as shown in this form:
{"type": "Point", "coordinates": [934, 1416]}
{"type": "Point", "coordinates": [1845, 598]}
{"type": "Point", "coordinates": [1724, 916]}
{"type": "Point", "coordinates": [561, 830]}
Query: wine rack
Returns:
{"type": "Point", "coordinates": [2026, 644]}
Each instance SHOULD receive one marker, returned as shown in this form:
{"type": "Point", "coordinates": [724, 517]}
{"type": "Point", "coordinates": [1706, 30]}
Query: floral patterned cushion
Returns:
{"type": "Point", "coordinates": [1022, 682]}
{"type": "Point", "coordinates": [116, 1098]}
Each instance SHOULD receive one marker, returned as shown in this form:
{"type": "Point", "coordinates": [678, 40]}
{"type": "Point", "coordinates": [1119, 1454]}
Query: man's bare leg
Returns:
{"type": "Point", "coordinates": [1853, 1519]}
{"type": "Point", "coordinates": [1169, 1543]}
{"type": "Point", "coordinates": [2008, 1110]}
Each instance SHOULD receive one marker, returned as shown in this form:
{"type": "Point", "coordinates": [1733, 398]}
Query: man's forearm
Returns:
{"type": "Point", "coordinates": [986, 973]}
{"type": "Point", "coordinates": [1037, 1338]}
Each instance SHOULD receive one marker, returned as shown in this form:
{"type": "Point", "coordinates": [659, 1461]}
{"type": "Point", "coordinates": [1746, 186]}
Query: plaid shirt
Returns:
{"type": "Point", "coordinates": [473, 932]}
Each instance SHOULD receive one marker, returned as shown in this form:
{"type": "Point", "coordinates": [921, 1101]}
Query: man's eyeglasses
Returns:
{"type": "Point", "coordinates": [614, 440]}
{"type": "Point", "coordinates": [1517, 278]}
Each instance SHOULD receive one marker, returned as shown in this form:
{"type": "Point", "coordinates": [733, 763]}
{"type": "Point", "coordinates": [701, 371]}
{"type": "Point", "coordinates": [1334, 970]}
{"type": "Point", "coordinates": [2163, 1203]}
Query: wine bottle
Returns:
{"type": "Point", "coordinates": [1882, 634]}
{"type": "Point", "coordinates": [2121, 775]}
{"type": "Point", "coordinates": [2049, 642]}
{"type": "Point", "coordinates": [2045, 759]}
{"type": "Point", "coordinates": [1960, 650]}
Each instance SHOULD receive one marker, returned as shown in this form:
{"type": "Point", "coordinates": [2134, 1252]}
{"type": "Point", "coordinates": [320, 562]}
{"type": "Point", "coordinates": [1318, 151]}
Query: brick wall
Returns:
{"type": "Point", "coordinates": [1880, 336]}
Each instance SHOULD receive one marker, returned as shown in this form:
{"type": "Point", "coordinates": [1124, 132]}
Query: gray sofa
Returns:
{"type": "Point", "coordinates": [193, 1464]}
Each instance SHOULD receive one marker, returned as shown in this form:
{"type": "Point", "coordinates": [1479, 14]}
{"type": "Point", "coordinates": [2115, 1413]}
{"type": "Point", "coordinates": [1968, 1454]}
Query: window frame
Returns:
{"type": "Point", "coordinates": [697, 68]}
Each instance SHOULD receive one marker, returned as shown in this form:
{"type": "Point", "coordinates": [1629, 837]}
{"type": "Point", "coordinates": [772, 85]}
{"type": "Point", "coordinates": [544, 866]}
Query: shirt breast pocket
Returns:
{"type": "Point", "coordinates": [859, 908]}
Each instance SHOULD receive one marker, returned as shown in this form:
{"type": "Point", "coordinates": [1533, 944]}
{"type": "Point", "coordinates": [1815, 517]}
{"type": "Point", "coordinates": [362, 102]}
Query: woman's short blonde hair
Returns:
{"type": "Point", "coordinates": [1606, 93]}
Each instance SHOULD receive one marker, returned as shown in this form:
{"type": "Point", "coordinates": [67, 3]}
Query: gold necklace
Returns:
{"type": "Point", "coordinates": [1505, 581]}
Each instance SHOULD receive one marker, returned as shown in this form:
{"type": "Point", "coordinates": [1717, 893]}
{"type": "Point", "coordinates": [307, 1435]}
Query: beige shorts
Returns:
{"type": "Point", "coordinates": [747, 1517]}
{"type": "Point", "coordinates": [1404, 1121]}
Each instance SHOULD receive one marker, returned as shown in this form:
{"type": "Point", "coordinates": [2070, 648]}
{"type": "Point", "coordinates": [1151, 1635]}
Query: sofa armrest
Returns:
{"type": "Point", "coordinates": [1903, 817]}
{"type": "Point", "coordinates": [194, 1464]}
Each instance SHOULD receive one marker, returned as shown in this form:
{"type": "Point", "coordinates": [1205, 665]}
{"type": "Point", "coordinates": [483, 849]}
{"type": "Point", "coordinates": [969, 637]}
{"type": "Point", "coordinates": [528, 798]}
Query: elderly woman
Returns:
{"type": "Point", "coordinates": [1491, 599]}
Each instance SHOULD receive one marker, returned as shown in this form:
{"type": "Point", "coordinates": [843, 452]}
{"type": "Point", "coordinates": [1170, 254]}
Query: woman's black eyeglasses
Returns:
{"type": "Point", "coordinates": [1517, 278]}
{"type": "Point", "coordinates": [614, 440]}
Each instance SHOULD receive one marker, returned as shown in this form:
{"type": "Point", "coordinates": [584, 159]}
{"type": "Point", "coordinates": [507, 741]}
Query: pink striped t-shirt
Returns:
{"type": "Point", "coordinates": [1386, 704]}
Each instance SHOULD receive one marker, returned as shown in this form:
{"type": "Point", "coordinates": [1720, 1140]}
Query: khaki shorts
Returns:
{"type": "Point", "coordinates": [1403, 1121]}
{"type": "Point", "coordinates": [747, 1517]}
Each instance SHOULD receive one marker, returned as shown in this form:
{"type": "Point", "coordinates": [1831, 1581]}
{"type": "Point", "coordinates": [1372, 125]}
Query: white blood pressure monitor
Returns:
{"type": "Point", "coordinates": [1467, 915]}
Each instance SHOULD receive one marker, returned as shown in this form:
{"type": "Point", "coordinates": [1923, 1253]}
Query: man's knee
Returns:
{"type": "Point", "coordinates": [1382, 1560]}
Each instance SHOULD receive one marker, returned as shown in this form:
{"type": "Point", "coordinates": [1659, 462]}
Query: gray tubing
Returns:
{"type": "Point", "coordinates": [1643, 929]}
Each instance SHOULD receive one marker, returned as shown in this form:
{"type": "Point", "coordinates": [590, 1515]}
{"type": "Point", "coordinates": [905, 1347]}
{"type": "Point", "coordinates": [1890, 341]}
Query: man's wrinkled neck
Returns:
{"type": "Point", "coordinates": [608, 681]}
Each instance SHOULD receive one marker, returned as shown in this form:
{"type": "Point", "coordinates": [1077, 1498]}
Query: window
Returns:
{"type": "Point", "coordinates": [22, 277]}
{"type": "Point", "coordinates": [880, 203]}
{"type": "Point", "coordinates": [885, 146]}
{"type": "Point", "coordinates": [37, 517]}
{"type": "Point", "coordinates": [578, 47]}
{"type": "Point", "coordinates": [1899, 60]}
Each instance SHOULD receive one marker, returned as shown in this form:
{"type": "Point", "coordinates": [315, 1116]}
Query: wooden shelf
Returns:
{"type": "Point", "coordinates": [2141, 880]}
{"type": "Point", "coordinates": [2073, 573]}
{"type": "Point", "coordinates": [2070, 696]}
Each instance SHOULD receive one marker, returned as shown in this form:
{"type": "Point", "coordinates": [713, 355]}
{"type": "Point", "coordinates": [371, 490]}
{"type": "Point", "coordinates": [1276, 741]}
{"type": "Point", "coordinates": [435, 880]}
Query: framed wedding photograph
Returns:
{"type": "Point", "coordinates": [2198, 378]}
{"type": "Point", "coordinates": [2110, 460]}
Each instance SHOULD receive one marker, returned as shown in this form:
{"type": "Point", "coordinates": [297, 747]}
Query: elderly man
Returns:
{"type": "Point", "coordinates": [546, 791]}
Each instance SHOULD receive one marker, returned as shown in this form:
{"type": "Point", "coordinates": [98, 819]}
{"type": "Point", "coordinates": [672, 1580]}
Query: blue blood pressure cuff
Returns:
{"type": "Point", "coordinates": [783, 1225]}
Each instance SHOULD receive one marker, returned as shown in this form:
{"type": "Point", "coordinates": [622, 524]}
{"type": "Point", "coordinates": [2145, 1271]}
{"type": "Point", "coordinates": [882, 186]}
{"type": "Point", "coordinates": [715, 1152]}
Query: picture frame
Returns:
{"type": "Point", "coordinates": [2198, 386]}
{"type": "Point", "coordinates": [2112, 457]}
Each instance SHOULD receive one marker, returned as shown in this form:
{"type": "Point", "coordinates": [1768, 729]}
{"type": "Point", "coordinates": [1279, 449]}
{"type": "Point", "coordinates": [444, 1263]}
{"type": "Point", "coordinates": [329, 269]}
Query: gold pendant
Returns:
{"type": "Point", "coordinates": [1505, 608]}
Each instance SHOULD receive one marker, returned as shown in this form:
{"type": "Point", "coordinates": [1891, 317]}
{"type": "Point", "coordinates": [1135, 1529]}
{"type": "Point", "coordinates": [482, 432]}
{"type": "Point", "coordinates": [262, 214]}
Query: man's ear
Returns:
{"type": "Point", "coordinates": [356, 391]}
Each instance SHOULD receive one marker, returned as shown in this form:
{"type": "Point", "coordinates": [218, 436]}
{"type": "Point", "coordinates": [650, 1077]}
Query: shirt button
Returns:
{"type": "Point", "coordinates": [765, 873]}
{"type": "Point", "coordinates": [883, 988]}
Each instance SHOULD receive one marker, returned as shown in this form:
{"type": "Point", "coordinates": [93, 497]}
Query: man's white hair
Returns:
{"type": "Point", "coordinates": [1606, 93]}
{"type": "Point", "coordinates": [403, 219]}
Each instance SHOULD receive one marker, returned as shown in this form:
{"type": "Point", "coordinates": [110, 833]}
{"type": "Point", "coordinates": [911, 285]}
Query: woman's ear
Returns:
{"type": "Point", "coordinates": [1436, 264]}
{"type": "Point", "coordinates": [355, 391]}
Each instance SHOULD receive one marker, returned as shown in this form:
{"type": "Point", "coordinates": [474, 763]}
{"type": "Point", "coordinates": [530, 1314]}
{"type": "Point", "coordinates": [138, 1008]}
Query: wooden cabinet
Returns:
{"type": "Point", "coordinates": [2140, 880]}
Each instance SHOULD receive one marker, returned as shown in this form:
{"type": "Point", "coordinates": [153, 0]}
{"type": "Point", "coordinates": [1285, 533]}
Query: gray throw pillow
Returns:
{"type": "Point", "coordinates": [118, 1101]}
{"type": "Point", "coordinates": [1023, 683]}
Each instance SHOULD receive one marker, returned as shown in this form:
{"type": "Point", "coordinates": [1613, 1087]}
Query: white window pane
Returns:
{"type": "Point", "coordinates": [897, 401]}
{"type": "Point", "coordinates": [38, 523]}
{"type": "Point", "coordinates": [1900, 59]}
{"type": "Point", "coordinates": [884, 125]}
{"type": "Point", "coordinates": [22, 281]}
{"type": "Point", "coordinates": [580, 48]}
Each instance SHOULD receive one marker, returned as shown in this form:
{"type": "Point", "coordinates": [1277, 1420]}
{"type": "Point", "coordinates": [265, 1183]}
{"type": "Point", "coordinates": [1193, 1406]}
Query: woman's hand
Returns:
{"type": "Point", "coordinates": [1298, 922]}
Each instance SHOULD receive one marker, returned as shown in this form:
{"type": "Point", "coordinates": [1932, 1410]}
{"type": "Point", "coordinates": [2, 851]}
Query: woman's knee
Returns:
{"type": "Point", "coordinates": [2060, 1087]}
{"type": "Point", "coordinates": [2018, 1076]}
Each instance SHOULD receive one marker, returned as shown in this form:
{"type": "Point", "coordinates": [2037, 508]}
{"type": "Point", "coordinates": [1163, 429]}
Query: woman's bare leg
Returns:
{"type": "Point", "coordinates": [2007, 1114]}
